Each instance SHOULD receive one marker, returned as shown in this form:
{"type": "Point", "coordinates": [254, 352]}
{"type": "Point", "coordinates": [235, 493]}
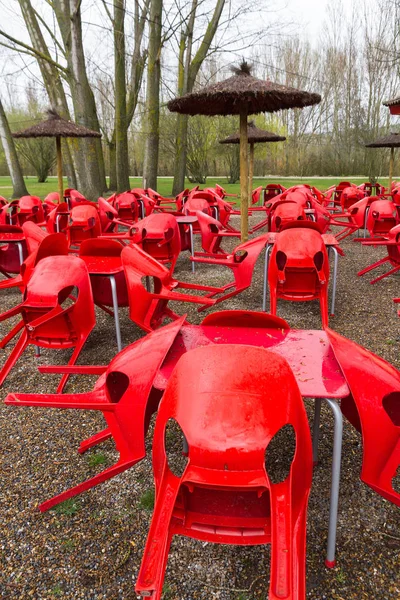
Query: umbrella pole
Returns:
{"type": "Point", "coordinates": [391, 169]}
{"type": "Point", "coordinates": [59, 169]}
{"type": "Point", "coordinates": [244, 178]}
{"type": "Point", "coordinates": [251, 170]}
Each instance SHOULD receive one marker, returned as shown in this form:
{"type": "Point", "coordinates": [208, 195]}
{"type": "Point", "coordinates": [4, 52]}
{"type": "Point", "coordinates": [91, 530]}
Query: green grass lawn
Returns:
{"type": "Point", "coordinates": [165, 184]}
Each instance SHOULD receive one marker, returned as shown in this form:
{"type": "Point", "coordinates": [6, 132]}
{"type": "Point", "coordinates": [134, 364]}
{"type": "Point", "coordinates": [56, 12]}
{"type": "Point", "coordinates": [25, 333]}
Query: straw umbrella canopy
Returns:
{"type": "Point", "coordinates": [243, 95]}
{"type": "Point", "coordinates": [391, 141]}
{"type": "Point", "coordinates": [255, 135]}
{"type": "Point", "coordinates": [56, 126]}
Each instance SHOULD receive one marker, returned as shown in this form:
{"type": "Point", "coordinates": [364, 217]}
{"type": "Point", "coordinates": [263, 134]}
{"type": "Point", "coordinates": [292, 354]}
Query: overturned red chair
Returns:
{"type": "Point", "coordinates": [299, 269]}
{"type": "Point", "coordinates": [381, 218]}
{"type": "Point", "coordinates": [124, 394]}
{"type": "Point", "coordinates": [148, 309]}
{"type": "Point", "coordinates": [46, 323]}
{"type": "Point", "coordinates": [13, 249]}
{"type": "Point", "coordinates": [242, 261]}
{"type": "Point", "coordinates": [127, 207]}
{"type": "Point", "coordinates": [228, 493]}
{"type": "Point", "coordinates": [30, 208]}
{"type": "Point", "coordinates": [212, 234]}
{"type": "Point", "coordinates": [393, 254]}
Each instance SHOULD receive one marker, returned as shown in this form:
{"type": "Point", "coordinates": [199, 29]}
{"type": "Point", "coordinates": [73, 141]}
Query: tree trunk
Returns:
{"type": "Point", "coordinates": [91, 169]}
{"type": "Point", "coordinates": [52, 81]}
{"type": "Point", "coordinates": [113, 166]}
{"type": "Point", "coordinates": [19, 188]}
{"type": "Point", "coordinates": [191, 69]}
{"type": "Point", "coordinates": [121, 124]}
{"type": "Point", "coordinates": [150, 166]}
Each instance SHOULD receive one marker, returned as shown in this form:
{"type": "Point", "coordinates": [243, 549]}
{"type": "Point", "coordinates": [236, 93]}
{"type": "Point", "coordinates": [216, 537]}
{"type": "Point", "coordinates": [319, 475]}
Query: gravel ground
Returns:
{"type": "Point", "coordinates": [91, 547]}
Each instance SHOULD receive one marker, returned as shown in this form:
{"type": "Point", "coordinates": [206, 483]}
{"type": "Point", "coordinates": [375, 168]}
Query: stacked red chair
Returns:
{"type": "Point", "coordinates": [57, 219]}
{"type": "Point", "coordinates": [299, 269]}
{"type": "Point", "coordinates": [226, 494]}
{"type": "Point", "coordinates": [74, 198]}
{"type": "Point", "coordinates": [127, 206]}
{"type": "Point", "coordinates": [350, 196]}
{"type": "Point", "coordinates": [148, 309]}
{"type": "Point", "coordinates": [271, 191]}
{"type": "Point", "coordinates": [45, 322]}
{"type": "Point", "coordinates": [392, 244]}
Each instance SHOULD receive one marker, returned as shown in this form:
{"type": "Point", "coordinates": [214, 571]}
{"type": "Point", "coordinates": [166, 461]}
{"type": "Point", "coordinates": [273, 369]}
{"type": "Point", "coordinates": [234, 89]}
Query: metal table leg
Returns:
{"type": "Point", "coordinates": [265, 281]}
{"type": "Point", "coordinates": [20, 252]}
{"type": "Point", "coordinates": [191, 244]}
{"type": "Point", "coordinates": [330, 560]}
{"type": "Point", "coordinates": [58, 217]}
{"type": "Point", "coordinates": [365, 220]}
{"type": "Point", "coordinates": [335, 265]}
{"type": "Point", "coordinates": [316, 423]}
{"type": "Point", "coordinates": [115, 306]}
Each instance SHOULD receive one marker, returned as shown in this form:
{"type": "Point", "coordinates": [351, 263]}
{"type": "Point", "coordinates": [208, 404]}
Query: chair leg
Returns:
{"type": "Point", "coordinates": [373, 266]}
{"type": "Point", "coordinates": [152, 569]}
{"type": "Point", "coordinates": [98, 438]}
{"type": "Point", "coordinates": [11, 334]}
{"type": "Point", "coordinates": [272, 301]}
{"type": "Point", "coordinates": [14, 356]}
{"type": "Point", "coordinates": [394, 270]}
{"type": "Point", "coordinates": [323, 302]}
{"type": "Point", "coordinates": [119, 467]}
{"type": "Point", "coordinates": [72, 361]}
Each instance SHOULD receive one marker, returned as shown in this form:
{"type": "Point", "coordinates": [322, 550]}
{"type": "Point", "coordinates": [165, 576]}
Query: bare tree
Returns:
{"type": "Point", "coordinates": [19, 187]}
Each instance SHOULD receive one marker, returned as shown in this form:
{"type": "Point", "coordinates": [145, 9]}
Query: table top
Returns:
{"type": "Point", "coordinates": [328, 238]}
{"type": "Point", "coordinates": [11, 237]}
{"type": "Point", "coordinates": [308, 353]}
{"type": "Point", "coordinates": [186, 219]}
{"type": "Point", "coordinates": [103, 265]}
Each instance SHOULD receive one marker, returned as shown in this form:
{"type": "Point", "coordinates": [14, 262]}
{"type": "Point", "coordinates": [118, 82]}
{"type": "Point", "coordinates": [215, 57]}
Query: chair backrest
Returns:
{"type": "Point", "coordinates": [299, 261]}
{"type": "Point", "coordinates": [100, 247]}
{"type": "Point", "coordinates": [159, 236]}
{"type": "Point", "coordinates": [74, 198]}
{"type": "Point", "coordinates": [127, 206]}
{"type": "Point", "coordinates": [256, 194]}
{"type": "Point", "coordinates": [272, 190]}
{"type": "Point", "coordinates": [209, 229]}
{"type": "Point", "coordinates": [144, 309]}
{"type": "Point", "coordinates": [83, 223]}
{"type": "Point", "coordinates": [349, 196]}
{"type": "Point", "coordinates": [285, 212]}
{"type": "Point", "coordinates": [229, 416]}
{"type": "Point", "coordinates": [107, 214]}
{"type": "Point", "coordinates": [49, 286]}
{"type": "Point", "coordinates": [57, 219]}
{"type": "Point", "coordinates": [52, 244]}
{"type": "Point", "coordinates": [382, 217]}
{"type": "Point", "coordinates": [30, 209]}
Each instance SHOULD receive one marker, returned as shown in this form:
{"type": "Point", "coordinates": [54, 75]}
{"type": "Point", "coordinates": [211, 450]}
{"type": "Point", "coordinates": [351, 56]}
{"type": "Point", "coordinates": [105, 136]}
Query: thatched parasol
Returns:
{"type": "Point", "coordinates": [255, 135]}
{"type": "Point", "coordinates": [56, 126]}
{"type": "Point", "coordinates": [242, 94]}
{"type": "Point", "coordinates": [391, 141]}
{"type": "Point", "coordinates": [394, 105]}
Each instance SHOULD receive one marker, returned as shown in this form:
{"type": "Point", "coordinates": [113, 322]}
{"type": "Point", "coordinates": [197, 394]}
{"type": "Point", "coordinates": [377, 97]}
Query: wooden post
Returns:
{"type": "Point", "coordinates": [59, 169]}
{"type": "Point", "coordinates": [244, 178]}
{"type": "Point", "coordinates": [251, 170]}
{"type": "Point", "coordinates": [391, 169]}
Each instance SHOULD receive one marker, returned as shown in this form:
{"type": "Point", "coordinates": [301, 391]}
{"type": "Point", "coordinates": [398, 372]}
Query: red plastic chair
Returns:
{"type": "Point", "coordinates": [57, 219]}
{"type": "Point", "coordinates": [241, 261]}
{"type": "Point", "coordinates": [193, 206]}
{"type": "Point", "coordinates": [212, 234]}
{"type": "Point", "coordinates": [124, 394]}
{"type": "Point", "coordinates": [52, 198]}
{"type": "Point", "coordinates": [393, 254]}
{"type": "Point", "coordinates": [83, 223]}
{"type": "Point", "coordinates": [74, 198]}
{"type": "Point", "coordinates": [46, 322]}
{"type": "Point", "coordinates": [285, 212]}
{"type": "Point", "coordinates": [55, 245]}
{"type": "Point", "coordinates": [271, 191]}
{"type": "Point", "coordinates": [350, 196]}
{"type": "Point", "coordinates": [159, 236]}
{"type": "Point", "coordinates": [104, 249]}
{"type": "Point", "coordinates": [149, 309]}
{"type": "Point", "coordinates": [381, 218]}
{"type": "Point", "coordinates": [30, 208]}
{"type": "Point", "coordinates": [226, 493]}
{"type": "Point", "coordinates": [299, 269]}
{"type": "Point", "coordinates": [127, 207]}
{"type": "Point", "coordinates": [10, 258]}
